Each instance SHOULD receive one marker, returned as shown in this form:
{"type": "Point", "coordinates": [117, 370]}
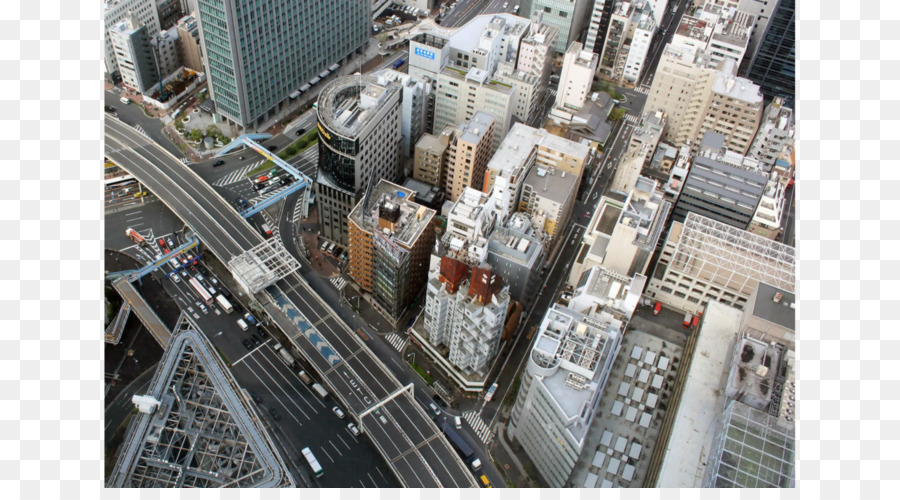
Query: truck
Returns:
{"type": "Point", "coordinates": [266, 230]}
{"type": "Point", "coordinates": [490, 392]}
{"type": "Point", "coordinates": [398, 63]}
{"type": "Point", "coordinates": [461, 446]}
{"type": "Point", "coordinates": [286, 356]}
{"type": "Point", "coordinates": [224, 304]}
{"type": "Point", "coordinates": [304, 377]}
{"type": "Point", "coordinates": [320, 390]}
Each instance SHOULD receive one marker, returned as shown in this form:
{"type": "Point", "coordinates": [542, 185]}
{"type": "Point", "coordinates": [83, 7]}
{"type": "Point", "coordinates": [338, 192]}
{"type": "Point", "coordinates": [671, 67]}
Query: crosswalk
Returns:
{"type": "Point", "coordinates": [397, 341]}
{"type": "Point", "coordinates": [631, 119]}
{"type": "Point", "coordinates": [642, 90]}
{"type": "Point", "coordinates": [141, 130]}
{"type": "Point", "coordinates": [186, 160]}
{"type": "Point", "coordinates": [478, 425]}
{"type": "Point", "coordinates": [298, 210]}
{"type": "Point", "coordinates": [339, 282]}
{"type": "Point", "coordinates": [238, 174]}
{"type": "Point", "coordinates": [271, 223]}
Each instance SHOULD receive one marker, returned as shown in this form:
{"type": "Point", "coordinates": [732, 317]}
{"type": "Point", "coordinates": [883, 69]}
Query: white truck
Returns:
{"type": "Point", "coordinates": [224, 304]}
{"type": "Point", "coordinates": [320, 390]}
{"type": "Point", "coordinates": [285, 355]}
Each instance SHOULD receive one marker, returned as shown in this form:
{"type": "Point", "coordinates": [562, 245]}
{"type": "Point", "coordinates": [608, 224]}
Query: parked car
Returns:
{"type": "Point", "coordinates": [109, 109]}
{"type": "Point", "coordinates": [247, 344]}
{"type": "Point", "coordinates": [657, 308]}
{"type": "Point", "coordinates": [337, 411]}
{"type": "Point", "coordinates": [274, 413]}
{"type": "Point", "coordinates": [353, 429]}
{"type": "Point", "coordinates": [219, 163]}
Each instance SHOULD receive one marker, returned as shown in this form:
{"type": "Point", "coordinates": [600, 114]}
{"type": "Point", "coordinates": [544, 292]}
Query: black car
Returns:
{"type": "Point", "coordinates": [219, 163]}
{"type": "Point", "coordinates": [273, 147]}
{"type": "Point", "coordinates": [301, 132]}
{"type": "Point", "coordinates": [258, 186]}
{"type": "Point", "coordinates": [256, 397]}
{"type": "Point", "coordinates": [225, 293]}
{"type": "Point", "coordinates": [247, 344]}
{"type": "Point", "coordinates": [109, 109]}
{"type": "Point", "coordinates": [274, 413]}
{"type": "Point", "coordinates": [255, 340]}
{"type": "Point", "coordinates": [262, 332]}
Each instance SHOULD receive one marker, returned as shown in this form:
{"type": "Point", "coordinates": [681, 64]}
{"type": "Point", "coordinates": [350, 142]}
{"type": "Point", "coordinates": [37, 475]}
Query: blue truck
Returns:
{"type": "Point", "coordinates": [461, 446]}
{"type": "Point", "coordinates": [398, 63]}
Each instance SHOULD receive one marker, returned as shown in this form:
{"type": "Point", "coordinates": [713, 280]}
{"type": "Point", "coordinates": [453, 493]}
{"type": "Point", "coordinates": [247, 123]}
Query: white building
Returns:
{"type": "Point", "coordinates": [115, 11]}
{"type": "Point", "coordinates": [775, 132]}
{"type": "Point", "coordinates": [767, 220]}
{"type": "Point", "coordinates": [460, 93]}
{"type": "Point", "coordinates": [576, 78]}
{"type": "Point", "coordinates": [567, 16]}
{"type": "Point", "coordinates": [644, 30]}
{"type": "Point", "coordinates": [134, 55]}
{"type": "Point", "coordinates": [412, 104]}
{"type": "Point", "coordinates": [567, 369]}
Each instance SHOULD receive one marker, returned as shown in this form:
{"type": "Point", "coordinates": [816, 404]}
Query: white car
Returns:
{"type": "Point", "coordinates": [353, 429]}
{"type": "Point", "coordinates": [337, 411]}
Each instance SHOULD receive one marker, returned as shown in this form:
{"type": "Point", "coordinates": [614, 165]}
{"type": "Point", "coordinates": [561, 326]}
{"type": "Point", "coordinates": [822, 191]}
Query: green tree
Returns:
{"type": "Point", "coordinates": [196, 135]}
{"type": "Point", "coordinates": [617, 114]}
{"type": "Point", "coordinates": [213, 131]}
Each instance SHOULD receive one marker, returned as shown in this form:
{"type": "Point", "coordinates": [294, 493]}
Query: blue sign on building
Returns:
{"type": "Point", "coordinates": [424, 53]}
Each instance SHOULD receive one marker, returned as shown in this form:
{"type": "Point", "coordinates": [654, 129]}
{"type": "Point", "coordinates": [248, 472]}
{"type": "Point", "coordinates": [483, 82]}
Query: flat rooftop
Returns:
{"type": "Point", "coordinates": [552, 184]}
{"type": "Point", "coordinates": [515, 149]}
{"type": "Point", "coordinates": [781, 313]}
{"type": "Point", "coordinates": [343, 103]}
{"type": "Point", "coordinates": [386, 197]}
{"type": "Point", "coordinates": [701, 404]}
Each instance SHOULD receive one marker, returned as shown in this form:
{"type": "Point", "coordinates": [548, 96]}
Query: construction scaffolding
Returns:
{"type": "Point", "coordinates": [263, 265]}
{"type": "Point", "coordinates": [195, 429]}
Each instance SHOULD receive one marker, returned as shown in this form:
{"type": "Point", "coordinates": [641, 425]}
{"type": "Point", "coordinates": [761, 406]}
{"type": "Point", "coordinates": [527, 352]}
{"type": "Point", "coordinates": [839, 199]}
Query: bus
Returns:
{"type": "Point", "coordinates": [201, 291]}
{"type": "Point", "coordinates": [313, 463]}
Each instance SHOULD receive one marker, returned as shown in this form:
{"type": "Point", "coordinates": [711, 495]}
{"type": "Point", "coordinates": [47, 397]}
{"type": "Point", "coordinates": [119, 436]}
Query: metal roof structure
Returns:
{"type": "Point", "coordinates": [263, 265]}
{"type": "Point", "coordinates": [195, 429]}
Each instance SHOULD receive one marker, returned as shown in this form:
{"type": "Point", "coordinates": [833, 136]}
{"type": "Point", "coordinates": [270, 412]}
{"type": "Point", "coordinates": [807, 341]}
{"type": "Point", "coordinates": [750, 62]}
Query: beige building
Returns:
{"type": "Point", "coordinates": [697, 99]}
{"type": "Point", "coordinates": [461, 93]}
{"type": "Point", "coordinates": [457, 158]}
{"type": "Point", "coordinates": [189, 38]}
{"type": "Point", "coordinates": [576, 78]}
{"type": "Point", "coordinates": [548, 196]}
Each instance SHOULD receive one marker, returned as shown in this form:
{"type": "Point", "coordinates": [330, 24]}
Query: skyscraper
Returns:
{"type": "Point", "coordinates": [257, 53]}
{"type": "Point", "coordinates": [773, 65]}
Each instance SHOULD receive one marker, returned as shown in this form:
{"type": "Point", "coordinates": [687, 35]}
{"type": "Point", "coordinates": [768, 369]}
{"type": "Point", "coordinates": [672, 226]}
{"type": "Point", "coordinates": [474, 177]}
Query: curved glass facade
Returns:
{"type": "Point", "coordinates": [337, 158]}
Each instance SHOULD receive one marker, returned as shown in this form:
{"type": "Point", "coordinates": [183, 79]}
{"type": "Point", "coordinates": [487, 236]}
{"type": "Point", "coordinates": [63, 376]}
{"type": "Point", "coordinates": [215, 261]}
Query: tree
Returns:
{"type": "Point", "coordinates": [617, 114]}
{"type": "Point", "coordinates": [196, 135]}
{"type": "Point", "coordinates": [213, 131]}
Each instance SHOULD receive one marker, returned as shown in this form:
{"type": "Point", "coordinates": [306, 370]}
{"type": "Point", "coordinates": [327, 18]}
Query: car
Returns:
{"type": "Point", "coordinates": [262, 178]}
{"type": "Point", "coordinates": [262, 332]}
{"type": "Point", "coordinates": [240, 157]}
{"type": "Point", "coordinates": [225, 293]}
{"type": "Point", "coordinates": [273, 148]}
{"type": "Point", "coordinates": [204, 309]}
{"type": "Point", "coordinates": [170, 242]}
{"type": "Point", "coordinates": [353, 429]}
{"type": "Point", "coordinates": [505, 4]}
{"type": "Point", "coordinates": [274, 413]}
{"type": "Point", "coordinates": [255, 340]}
{"type": "Point", "coordinates": [657, 308]}
{"type": "Point", "coordinates": [184, 274]}
{"type": "Point", "coordinates": [247, 344]}
{"type": "Point", "coordinates": [219, 163]}
{"type": "Point", "coordinates": [125, 100]}
{"type": "Point", "coordinates": [434, 408]}
{"type": "Point", "coordinates": [337, 411]}
{"type": "Point", "coordinates": [200, 277]}
{"type": "Point", "coordinates": [175, 278]}
{"type": "Point", "coordinates": [214, 280]}
{"type": "Point", "coordinates": [109, 109]}
{"type": "Point", "coordinates": [201, 270]}
{"type": "Point", "coordinates": [256, 398]}
{"type": "Point", "coordinates": [257, 187]}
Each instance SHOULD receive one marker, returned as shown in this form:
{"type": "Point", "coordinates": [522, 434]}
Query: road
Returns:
{"type": "Point", "coordinates": [403, 433]}
{"type": "Point", "coordinates": [466, 10]}
{"type": "Point", "coordinates": [132, 114]}
{"type": "Point", "coordinates": [669, 24]}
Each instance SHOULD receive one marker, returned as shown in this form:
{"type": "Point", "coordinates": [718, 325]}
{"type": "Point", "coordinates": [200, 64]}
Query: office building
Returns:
{"type": "Point", "coordinates": [390, 243]}
{"type": "Point", "coordinates": [523, 148]}
{"type": "Point", "coordinates": [623, 232]}
{"type": "Point", "coordinates": [134, 55]}
{"type": "Point", "coordinates": [697, 99]}
{"type": "Point", "coordinates": [258, 54]}
{"type": "Point", "coordinates": [460, 93]}
{"type": "Point", "coordinates": [721, 185]}
{"type": "Point", "coordinates": [767, 220]}
{"type": "Point", "coordinates": [705, 261]}
{"type": "Point", "coordinates": [730, 33]}
{"type": "Point", "coordinates": [773, 63]}
{"type": "Point", "coordinates": [517, 256]}
{"type": "Point", "coordinates": [646, 135]}
{"type": "Point", "coordinates": [576, 78]}
{"type": "Point", "coordinates": [548, 196]}
{"type": "Point", "coordinates": [771, 315]}
{"type": "Point", "coordinates": [629, 33]}
{"type": "Point", "coordinates": [762, 10]}
{"type": "Point", "coordinates": [752, 449]}
{"type": "Point", "coordinates": [776, 131]}
{"type": "Point", "coordinates": [645, 27]}
{"type": "Point", "coordinates": [567, 369]}
{"type": "Point", "coordinates": [412, 106]}
{"type": "Point", "coordinates": [115, 11]}
{"type": "Point", "coordinates": [167, 50]}
{"type": "Point", "coordinates": [568, 16]}
{"type": "Point", "coordinates": [189, 42]}
{"type": "Point", "coordinates": [598, 26]}
{"type": "Point", "coordinates": [169, 12]}
{"type": "Point", "coordinates": [430, 157]}
{"type": "Point", "coordinates": [664, 158]}
{"type": "Point", "coordinates": [360, 138]}
{"type": "Point", "coordinates": [468, 154]}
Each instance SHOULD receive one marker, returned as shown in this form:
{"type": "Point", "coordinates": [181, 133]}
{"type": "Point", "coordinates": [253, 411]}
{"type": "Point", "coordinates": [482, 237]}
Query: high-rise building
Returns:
{"type": "Point", "coordinates": [116, 11]}
{"type": "Point", "coordinates": [570, 17]}
{"type": "Point", "coordinates": [468, 155]}
{"type": "Point", "coordinates": [623, 232]}
{"type": "Point", "coordinates": [189, 41]}
{"type": "Point", "coordinates": [430, 157]}
{"type": "Point", "coordinates": [390, 242]}
{"type": "Point", "coordinates": [169, 12]}
{"type": "Point", "coordinates": [762, 10]}
{"type": "Point", "coordinates": [598, 26]}
{"type": "Point", "coordinates": [462, 93]}
{"type": "Point", "coordinates": [412, 103]}
{"type": "Point", "coordinates": [517, 255]}
{"type": "Point", "coordinates": [134, 55]}
{"type": "Point", "coordinates": [772, 67]}
{"type": "Point", "coordinates": [576, 78]}
{"type": "Point", "coordinates": [721, 185]}
{"type": "Point", "coordinates": [705, 261]}
{"type": "Point", "coordinates": [465, 311]}
{"type": "Point", "coordinates": [258, 53]}
{"type": "Point", "coordinates": [644, 29]}
{"type": "Point", "coordinates": [567, 370]}
{"type": "Point", "coordinates": [360, 139]}
{"type": "Point", "coordinates": [697, 99]}
{"type": "Point", "coordinates": [167, 51]}
{"type": "Point", "coordinates": [629, 32]}
{"type": "Point", "coordinates": [548, 196]}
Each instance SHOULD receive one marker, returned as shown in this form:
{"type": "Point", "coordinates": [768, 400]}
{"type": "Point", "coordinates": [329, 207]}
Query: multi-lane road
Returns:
{"type": "Point", "coordinates": [404, 435]}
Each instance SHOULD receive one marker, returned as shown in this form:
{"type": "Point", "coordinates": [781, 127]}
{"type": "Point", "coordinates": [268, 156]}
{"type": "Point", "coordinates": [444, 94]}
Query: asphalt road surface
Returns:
{"type": "Point", "coordinates": [399, 428]}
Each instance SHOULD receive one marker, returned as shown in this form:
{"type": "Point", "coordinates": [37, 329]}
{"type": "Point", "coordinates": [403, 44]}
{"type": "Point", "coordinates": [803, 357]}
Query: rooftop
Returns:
{"type": "Point", "coordinates": [781, 313]}
{"type": "Point", "coordinates": [515, 149]}
{"type": "Point", "coordinates": [392, 211]}
{"type": "Point", "coordinates": [552, 184]}
{"type": "Point", "coordinates": [350, 104]}
{"type": "Point", "coordinates": [694, 28]}
{"type": "Point", "coordinates": [693, 429]}
{"type": "Point", "coordinates": [738, 88]}
{"type": "Point", "coordinates": [474, 129]}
